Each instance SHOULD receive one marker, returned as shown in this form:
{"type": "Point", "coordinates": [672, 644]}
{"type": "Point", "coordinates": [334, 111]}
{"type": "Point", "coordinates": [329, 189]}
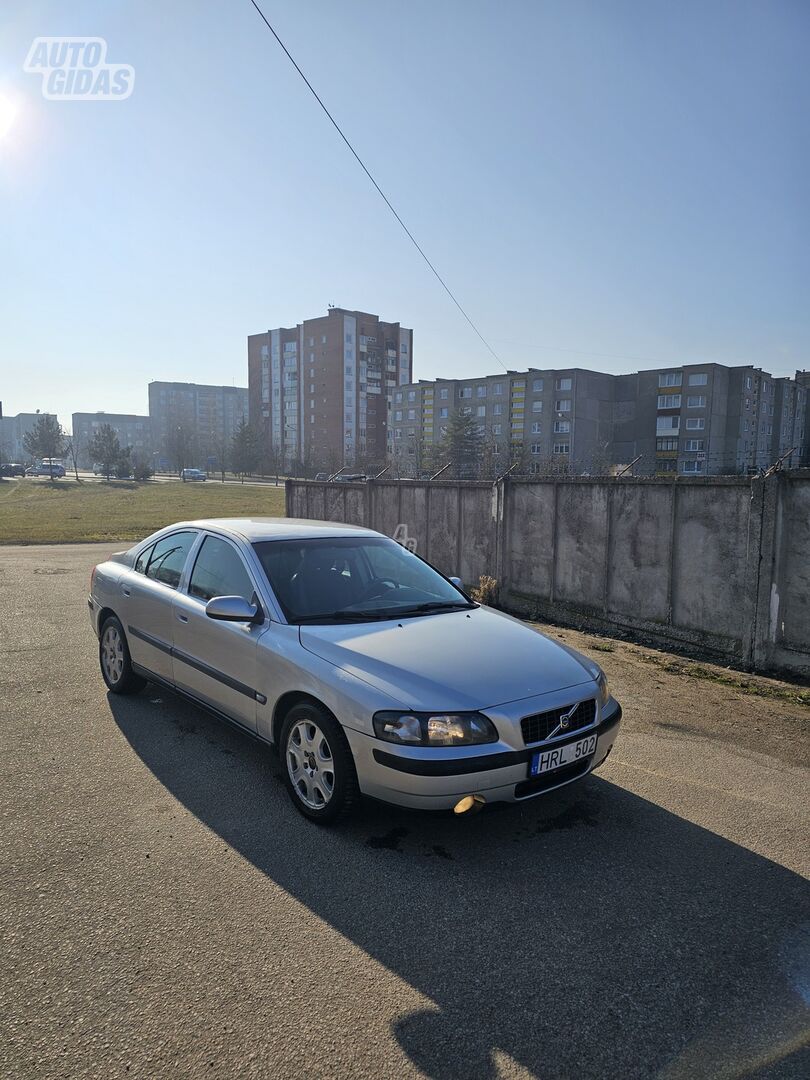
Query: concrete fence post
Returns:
{"type": "Point", "coordinates": [761, 566]}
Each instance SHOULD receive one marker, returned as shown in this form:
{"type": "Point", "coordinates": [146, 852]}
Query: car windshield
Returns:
{"type": "Point", "coordinates": [354, 579]}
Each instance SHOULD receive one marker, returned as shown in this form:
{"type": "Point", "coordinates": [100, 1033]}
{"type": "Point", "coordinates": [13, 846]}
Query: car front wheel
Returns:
{"type": "Point", "coordinates": [318, 766]}
{"type": "Point", "coordinates": [115, 661]}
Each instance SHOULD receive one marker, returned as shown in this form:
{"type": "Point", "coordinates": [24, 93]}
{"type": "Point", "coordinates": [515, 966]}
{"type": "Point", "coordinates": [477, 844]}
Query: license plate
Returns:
{"type": "Point", "coordinates": [546, 760]}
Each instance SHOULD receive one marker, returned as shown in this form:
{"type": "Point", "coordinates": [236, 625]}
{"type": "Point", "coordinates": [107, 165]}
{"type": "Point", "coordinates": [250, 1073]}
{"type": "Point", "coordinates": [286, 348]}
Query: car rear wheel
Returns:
{"type": "Point", "coordinates": [318, 766]}
{"type": "Point", "coordinates": [115, 661]}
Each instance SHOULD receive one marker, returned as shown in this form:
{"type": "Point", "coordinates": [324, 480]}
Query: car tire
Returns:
{"type": "Point", "coordinates": [317, 764]}
{"type": "Point", "coordinates": [115, 661]}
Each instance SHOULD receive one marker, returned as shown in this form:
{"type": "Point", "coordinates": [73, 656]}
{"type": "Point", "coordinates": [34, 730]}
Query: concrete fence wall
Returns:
{"type": "Point", "coordinates": [722, 563]}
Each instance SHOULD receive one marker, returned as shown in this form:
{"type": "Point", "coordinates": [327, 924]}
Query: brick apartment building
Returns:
{"type": "Point", "coordinates": [320, 391]}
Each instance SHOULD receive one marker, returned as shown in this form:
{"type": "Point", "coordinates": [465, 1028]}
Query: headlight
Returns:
{"type": "Point", "coordinates": [602, 683]}
{"type": "Point", "coordinates": [434, 729]}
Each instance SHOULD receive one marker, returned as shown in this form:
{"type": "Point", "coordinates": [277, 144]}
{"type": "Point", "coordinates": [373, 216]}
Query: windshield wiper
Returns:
{"type": "Point", "coordinates": [343, 616]}
{"type": "Point", "coordinates": [431, 606]}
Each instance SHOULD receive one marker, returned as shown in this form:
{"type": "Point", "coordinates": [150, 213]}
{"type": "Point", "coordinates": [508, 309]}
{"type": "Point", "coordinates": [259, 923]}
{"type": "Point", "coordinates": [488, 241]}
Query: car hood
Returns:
{"type": "Point", "coordinates": [460, 660]}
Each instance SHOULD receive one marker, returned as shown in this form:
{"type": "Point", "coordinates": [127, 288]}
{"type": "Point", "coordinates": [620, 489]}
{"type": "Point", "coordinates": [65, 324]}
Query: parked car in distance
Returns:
{"type": "Point", "coordinates": [193, 474]}
{"type": "Point", "coordinates": [370, 672]}
{"type": "Point", "coordinates": [12, 468]}
{"type": "Point", "coordinates": [322, 476]}
{"type": "Point", "coordinates": [348, 478]}
{"type": "Point", "coordinates": [45, 470]}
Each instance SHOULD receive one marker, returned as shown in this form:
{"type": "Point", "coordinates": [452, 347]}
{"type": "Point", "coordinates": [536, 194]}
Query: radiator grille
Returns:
{"type": "Point", "coordinates": [538, 727]}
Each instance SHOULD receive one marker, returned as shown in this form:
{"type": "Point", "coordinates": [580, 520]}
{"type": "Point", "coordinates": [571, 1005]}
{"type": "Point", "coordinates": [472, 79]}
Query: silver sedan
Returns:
{"type": "Point", "coordinates": [367, 669]}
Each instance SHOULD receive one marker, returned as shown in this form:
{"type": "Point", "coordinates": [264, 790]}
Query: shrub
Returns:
{"type": "Point", "coordinates": [486, 592]}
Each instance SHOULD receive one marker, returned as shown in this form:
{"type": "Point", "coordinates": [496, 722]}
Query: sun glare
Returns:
{"type": "Point", "coordinates": [8, 113]}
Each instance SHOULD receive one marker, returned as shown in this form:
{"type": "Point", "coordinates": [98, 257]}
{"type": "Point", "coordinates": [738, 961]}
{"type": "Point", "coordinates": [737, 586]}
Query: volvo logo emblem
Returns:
{"type": "Point", "coordinates": [565, 718]}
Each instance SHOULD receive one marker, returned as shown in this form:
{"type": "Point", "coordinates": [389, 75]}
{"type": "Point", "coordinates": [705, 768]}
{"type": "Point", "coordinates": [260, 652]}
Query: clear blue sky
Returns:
{"type": "Point", "coordinates": [623, 177]}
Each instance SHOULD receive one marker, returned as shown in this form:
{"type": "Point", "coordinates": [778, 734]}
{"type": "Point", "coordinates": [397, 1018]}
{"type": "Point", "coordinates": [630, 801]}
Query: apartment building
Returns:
{"type": "Point", "coordinates": [13, 430]}
{"type": "Point", "coordinates": [320, 391]}
{"type": "Point", "coordinates": [690, 420]}
{"type": "Point", "coordinates": [205, 418]}
{"type": "Point", "coordinates": [705, 419]}
{"type": "Point", "coordinates": [132, 431]}
{"type": "Point", "coordinates": [802, 381]}
{"type": "Point", "coordinates": [557, 417]}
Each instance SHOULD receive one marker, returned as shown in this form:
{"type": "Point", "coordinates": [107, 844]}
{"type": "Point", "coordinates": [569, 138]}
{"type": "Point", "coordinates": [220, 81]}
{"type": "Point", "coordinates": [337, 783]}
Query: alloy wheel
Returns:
{"type": "Point", "coordinates": [310, 764]}
{"type": "Point", "coordinates": [112, 654]}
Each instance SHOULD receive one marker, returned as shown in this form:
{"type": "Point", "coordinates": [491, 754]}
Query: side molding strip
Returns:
{"type": "Point", "coordinates": [198, 665]}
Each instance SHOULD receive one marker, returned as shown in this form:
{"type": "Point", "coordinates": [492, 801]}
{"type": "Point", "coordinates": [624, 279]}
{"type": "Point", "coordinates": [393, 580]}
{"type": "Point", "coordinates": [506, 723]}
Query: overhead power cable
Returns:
{"type": "Point", "coordinates": [380, 191]}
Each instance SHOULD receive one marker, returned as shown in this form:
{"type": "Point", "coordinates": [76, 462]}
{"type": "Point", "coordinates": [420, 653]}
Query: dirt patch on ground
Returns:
{"type": "Point", "coordinates": [662, 692]}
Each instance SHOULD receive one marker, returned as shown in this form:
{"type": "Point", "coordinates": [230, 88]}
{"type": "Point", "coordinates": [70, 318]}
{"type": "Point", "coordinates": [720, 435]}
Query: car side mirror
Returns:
{"type": "Point", "coordinates": [457, 582]}
{"type": "Point", "coordinates": [233, 609]}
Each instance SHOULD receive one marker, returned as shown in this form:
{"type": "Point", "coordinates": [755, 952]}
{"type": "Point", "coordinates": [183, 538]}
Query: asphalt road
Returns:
{"type": "Point", "coordinates": [166, 913]}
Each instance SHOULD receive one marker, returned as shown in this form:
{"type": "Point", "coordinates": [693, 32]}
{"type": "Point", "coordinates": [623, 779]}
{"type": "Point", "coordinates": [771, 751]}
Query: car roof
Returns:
{"type": "Point", "coordinates": [270, 528]}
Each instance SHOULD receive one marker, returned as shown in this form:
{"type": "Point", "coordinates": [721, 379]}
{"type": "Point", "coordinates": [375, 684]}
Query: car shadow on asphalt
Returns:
{"type": "Point", "coordinates": [589, 933]}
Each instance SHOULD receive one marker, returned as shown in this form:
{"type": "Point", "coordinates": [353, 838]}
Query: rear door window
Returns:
{"type": "Point", "coordinates": [168, 557]}
{"type": "Point", "coordinates": [142, 561]}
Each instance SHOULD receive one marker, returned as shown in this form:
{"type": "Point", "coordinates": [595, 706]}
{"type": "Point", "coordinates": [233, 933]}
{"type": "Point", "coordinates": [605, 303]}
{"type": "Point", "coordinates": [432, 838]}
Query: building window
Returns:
{"type": "Point", "coordinates": [669, 401]}
{"type": "Point", "coordinates": [537, 448]}
{"type": "Point", "coordinates": [411, 414]}
{"type": "Point", "coordinates": [563, 406]}
{"type": "Point", "coordinates": [496, 429]}
{"type": "Point", "coordinates": [497, 388]}
{"type": "Point", "coordinates": [693, 444]}
{"type": "Point", "coordinates": [747, 382]}
{"type": "Point", "coordinates": [311, 342]}
{"type": "Point", "coordinates": [695, 423]}
{"type": "Point", "coordinates": [694, 466]}
{"type": "Point", "coordinates": [443, 393]}
{"type": "Point", "coordinates": [562, 427]}
{"type": "Point", "coordinates": [398, 414]}
{"type": "Point", "coordinates": [696, 401]}
{"type": "Point", "coordinates": [411, 395]}
{"type": "Point", "coordinates": [664, 465]}
{"type": "Point", "coordinates": [537, 386]}
{"type": "Point", "coordinates": [665, 425]}
{"type": "Point", "coordinates": [481, 391]}
{"type": "Point", "coordinates": [497, 408]}
{"type": "Point", "coordinates": [666, 444]}
{"type": "Point", "coordinates": [481, 410]}
{"type": "Point", "coordinates": [398, 396]}
{"type": "Point", "coordinates": [443, 412]}
{"type": "Point", "coordinates": [670, 378]}
{"type": "Point", "coordinates": [561, 447]}
{"type": "Point", "coordinates": [698, 378]}
{"type": "Point", "coordinates": [465, 392]}
{"type": "Point", "coordinates": [403, 347]}
{"type": "Point", "coordinates": [562, 384]}
{"type": "Point", "coordinates": [537, 406]}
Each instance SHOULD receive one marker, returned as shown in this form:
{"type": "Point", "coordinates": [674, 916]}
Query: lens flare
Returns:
{"type": "Point", "coordinates": [8, 114]}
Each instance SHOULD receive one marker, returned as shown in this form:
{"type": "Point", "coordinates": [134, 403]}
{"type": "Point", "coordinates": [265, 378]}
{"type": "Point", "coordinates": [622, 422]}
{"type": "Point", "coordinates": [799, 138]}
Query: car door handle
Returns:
{"type": "Point", "coordinates": [181, 618]}
{"type": "Point", "coordinates": [125, 590]}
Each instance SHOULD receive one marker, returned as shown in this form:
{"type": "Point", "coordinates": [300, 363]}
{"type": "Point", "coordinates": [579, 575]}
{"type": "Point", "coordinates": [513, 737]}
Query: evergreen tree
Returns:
{"type": "Point", "coordinates": [462, 444]}
{"type": "Point", "coordinates": [45, 439]}
{"type": "Point", "coordinates": [106, 450]}
{"type": "Point", "coordinates": [245, 453]}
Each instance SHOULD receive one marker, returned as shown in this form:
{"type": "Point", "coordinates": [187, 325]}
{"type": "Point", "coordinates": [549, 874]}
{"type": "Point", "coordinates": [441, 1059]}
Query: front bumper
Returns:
{"type": "Point", "coordinates": [430, 782]}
